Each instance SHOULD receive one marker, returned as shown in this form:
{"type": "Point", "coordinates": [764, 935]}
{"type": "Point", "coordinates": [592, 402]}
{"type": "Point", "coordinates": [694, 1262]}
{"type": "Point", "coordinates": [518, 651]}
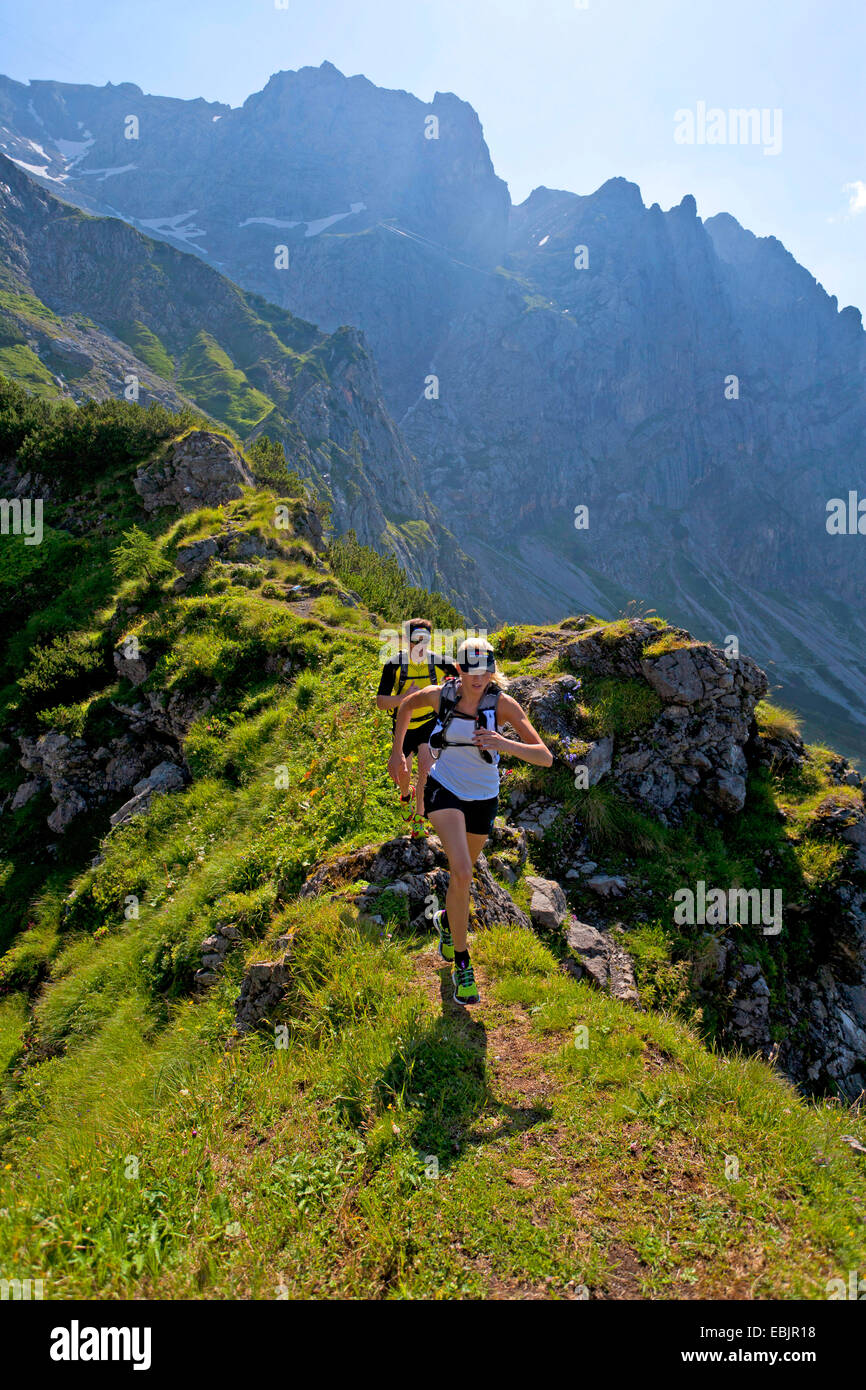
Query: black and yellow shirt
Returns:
{"type": "Point", "coordinates": [399, 673]}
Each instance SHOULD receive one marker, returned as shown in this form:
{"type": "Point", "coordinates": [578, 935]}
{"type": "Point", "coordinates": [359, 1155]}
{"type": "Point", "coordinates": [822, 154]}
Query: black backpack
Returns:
{"type": "Point", "coordinates": [404, 670]}
{"type": "Point", "coordinates": [404, 676]}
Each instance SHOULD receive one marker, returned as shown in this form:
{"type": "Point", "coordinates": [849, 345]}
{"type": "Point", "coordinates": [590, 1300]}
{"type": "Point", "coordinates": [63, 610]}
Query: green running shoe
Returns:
{"type": "Point", "coordinates": [465, 989]}
{"type": "Point", "coordinates": [446, 945]}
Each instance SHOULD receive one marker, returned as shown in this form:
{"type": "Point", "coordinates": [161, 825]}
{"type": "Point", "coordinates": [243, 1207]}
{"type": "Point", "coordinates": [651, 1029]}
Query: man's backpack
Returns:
{"type": "Point", "coordinates": [404, 676]}
{"type": "Point", "coordinates": [404, 670]}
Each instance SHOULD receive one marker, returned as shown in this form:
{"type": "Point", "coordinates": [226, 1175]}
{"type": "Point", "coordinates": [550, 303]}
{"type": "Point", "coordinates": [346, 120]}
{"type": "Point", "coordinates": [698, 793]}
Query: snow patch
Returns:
{"type": "Point", "coordinates": [268, 222]}
{"type": "Point", "coordinates": [34, 145]}
{"type": "Point", "coordinates": [106, 173]}
{"type": "Point", "coordinates": [40, 171]}
{"type": "Point", "coordinates": [174, 227]}
{"type": "Point", "coordinates": [73, 151]}
{"type": "Point", "coordinates": [312, 228]}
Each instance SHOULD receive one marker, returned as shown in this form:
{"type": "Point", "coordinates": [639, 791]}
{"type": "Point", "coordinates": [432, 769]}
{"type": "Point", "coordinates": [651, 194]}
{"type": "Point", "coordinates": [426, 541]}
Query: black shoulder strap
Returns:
{"type": "Point", "coordinates": [448, 696]}
{"type": "Point", "coordinates": [491, 701]}
{"type": "Point", "coordinates": [431, 669]}
{"type": "Point", "coordinates": [404, 672]}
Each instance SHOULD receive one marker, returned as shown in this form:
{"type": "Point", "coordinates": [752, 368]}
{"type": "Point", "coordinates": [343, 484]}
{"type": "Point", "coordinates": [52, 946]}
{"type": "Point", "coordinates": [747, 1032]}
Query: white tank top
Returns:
{"type": "Point", "coordinates": [462, 770]}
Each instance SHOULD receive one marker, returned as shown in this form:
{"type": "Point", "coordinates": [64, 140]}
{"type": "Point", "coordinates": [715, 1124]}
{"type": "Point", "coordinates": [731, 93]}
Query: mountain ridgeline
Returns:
{"type": "Point", "coordinates": [88, 304]}
{"type": "Point", "coordinates": [688, 383]}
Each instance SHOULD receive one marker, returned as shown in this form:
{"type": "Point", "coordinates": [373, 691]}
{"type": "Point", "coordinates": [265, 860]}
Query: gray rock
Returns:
{"type": "Point", "coordinates": [548, 907]}
{"type": "Point", "coordinates": [134, 669]}
{"type": "Point", "coordinates": [422, 866]}
{"type": "Point", "coordinates": [675, 676]}
{"type": "Point", "coordinates": [193, 560]}
{"type": "Point", "coordinates": [26, 792]}
{"type": "Point", "coordinates": [164, 778]}
{"type": "Point", "coordinates": [728, 791]}
{"type": "Point", "coordinates": [262, 988]}
{"type": "Point", "coordinates": [203, 469]}
{"type": "Point", "coordinates": [603, 960]}
{"type": "Point", "coordinates": [607, 885]}
{"type": "Point", "coordinates": [72, 805]}
{"type": "Point", "coordinates": [598, 760]}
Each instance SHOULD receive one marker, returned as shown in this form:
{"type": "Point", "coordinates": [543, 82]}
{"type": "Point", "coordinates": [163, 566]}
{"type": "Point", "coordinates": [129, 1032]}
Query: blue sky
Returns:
{"type": "Point", "coordinates": [568, 96]}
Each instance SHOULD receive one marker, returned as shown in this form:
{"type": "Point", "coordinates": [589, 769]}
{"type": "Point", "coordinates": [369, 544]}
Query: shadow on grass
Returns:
{"type": "Point", "coordinates": [441, 1080]}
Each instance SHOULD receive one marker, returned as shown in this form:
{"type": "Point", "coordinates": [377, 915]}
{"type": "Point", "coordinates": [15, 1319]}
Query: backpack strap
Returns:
{"type": "Point", "coordinates": [448, 699]}
{"type": "Point", "coordinates": [404, 672]}
{"type": "Point", "coordinates": [490, 701]}
{"type": "Point", "coordinates": [431, 669]}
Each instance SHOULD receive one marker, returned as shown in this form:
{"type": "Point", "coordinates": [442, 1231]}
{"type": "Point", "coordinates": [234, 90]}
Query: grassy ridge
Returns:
{"type": "Point", "coordinates": [395, 1148]}
{"type": "Point", "coordinates": [371, 1140]}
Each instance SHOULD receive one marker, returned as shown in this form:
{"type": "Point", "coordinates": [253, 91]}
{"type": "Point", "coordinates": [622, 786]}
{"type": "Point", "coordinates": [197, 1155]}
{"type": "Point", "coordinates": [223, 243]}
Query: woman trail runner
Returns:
{"type": "Point", "coordinates": [462, 789]}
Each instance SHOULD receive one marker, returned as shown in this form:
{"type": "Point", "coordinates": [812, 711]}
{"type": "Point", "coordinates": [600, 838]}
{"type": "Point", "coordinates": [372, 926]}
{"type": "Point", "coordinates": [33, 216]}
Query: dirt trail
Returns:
{"type": "Point", "coordinates": [523, 1089]}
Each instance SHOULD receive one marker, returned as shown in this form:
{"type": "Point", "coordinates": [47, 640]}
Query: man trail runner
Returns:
{"type": "Point", "coordinates": [410, 670]}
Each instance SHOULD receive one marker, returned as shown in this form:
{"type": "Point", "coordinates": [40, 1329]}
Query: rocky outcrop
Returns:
{"type": "Point", "coordinates": [548, 907]}
{"type": "Point", "coordinates": [509, 850]}
{"type": "Point", "coordinates": [421, 867]}
{"type": "Point", "coordinates": [132, 668]}
{"type": "Point", "coordinates": [165, 777]}
{"type": "Point", "coordinates": [600, 956]}
{"type": "Point", "coordinates": [201, 470]}
{"type": "Point", "coordinates": [696, 747]}
{"type": "Point", "coordinates": [214, 950]}
{"type": "Point", "coordinates": [607, 885]}
{"type": "Point", "coordinates": [262, 987]}
{"type": "Point", "coordinates": [838, 817]}
{"type": "Point", "coordinates": [167, 716]}
{"type": "Point", "coordinates": [80, 778]}
{"type": "Point", "coordinates": [231, 545]}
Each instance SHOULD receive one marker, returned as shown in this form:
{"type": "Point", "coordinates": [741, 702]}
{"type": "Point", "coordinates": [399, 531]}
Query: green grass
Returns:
{"type": "Point", "coordinates": [670, 642]}
{"type": "Point", "coordinates": [29, 307]}
{"type": "Point", "coordinates": [366, 1141]}
{"type": "Point", "coordinates": [18, 360]}
{"type": "Point", "coordinates": [775, 722]}
{"type": "Point", "coordinates": [209, 376]}
{"type": "Point", "coordinates": [146, 345]}
{"type": "Point", "coordinates": [617, 705]}
{"type": "Point", "coordinates": [385, 1152]}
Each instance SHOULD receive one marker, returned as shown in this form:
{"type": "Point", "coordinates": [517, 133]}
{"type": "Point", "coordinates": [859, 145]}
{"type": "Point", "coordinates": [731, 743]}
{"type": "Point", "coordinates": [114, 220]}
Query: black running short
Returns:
{"type": "Point", "coordinates": [415, 737]}
{"type": "Point", "coordinates": [479, 815]}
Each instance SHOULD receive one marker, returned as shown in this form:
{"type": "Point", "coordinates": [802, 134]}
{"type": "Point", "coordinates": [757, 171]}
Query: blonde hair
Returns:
{"type": "Point", "coordinates": [476, 646]}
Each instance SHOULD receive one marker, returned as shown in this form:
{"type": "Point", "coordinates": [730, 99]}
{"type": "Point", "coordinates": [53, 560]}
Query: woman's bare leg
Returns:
{"type": "Point", "coordinates": [450, 826]}
{"type": "Point", "coordinates": [476, 844]}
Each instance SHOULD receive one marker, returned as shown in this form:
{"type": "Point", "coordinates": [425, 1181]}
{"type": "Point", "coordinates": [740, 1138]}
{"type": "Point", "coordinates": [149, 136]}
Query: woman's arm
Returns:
{"type": "Point", "coordinates": [428, 696]}
{"type": "Point", "coordinates": [530, 749]}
